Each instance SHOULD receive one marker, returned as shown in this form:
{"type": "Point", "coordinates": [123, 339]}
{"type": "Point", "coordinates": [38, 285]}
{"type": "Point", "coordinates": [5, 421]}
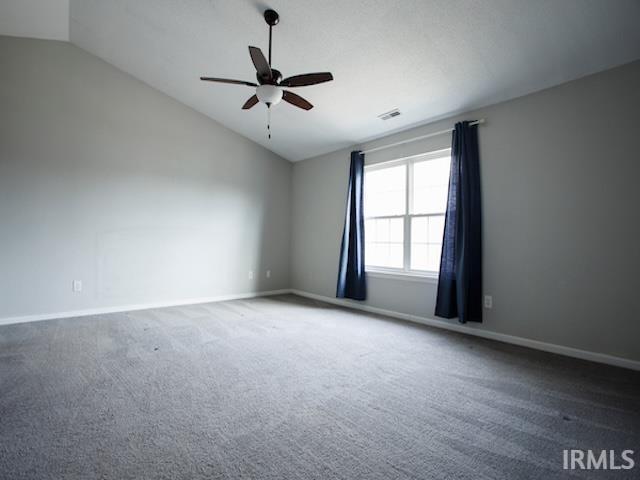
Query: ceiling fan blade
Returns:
{"type": "Point", "coordinates": [261, 64]}
{"type": "Point", "coordinates": [227, 80]}
{"type": "Point", "coordinates": [250, 103]}
{"type": "Point", "coordinates": [296, 100]}
{"type": "Point", "coordinates": [306, 79]}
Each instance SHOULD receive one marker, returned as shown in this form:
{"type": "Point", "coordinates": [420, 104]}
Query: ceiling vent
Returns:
{"type": "Point", "coordinates": [390, 114]}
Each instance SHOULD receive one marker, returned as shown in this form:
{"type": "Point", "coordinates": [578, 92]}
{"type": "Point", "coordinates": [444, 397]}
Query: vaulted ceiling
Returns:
{"type": "Point", "coordinates": [429, 58]}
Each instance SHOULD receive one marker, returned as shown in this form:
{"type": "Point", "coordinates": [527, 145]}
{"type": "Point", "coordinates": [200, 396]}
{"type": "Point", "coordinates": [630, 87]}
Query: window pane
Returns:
{"type": "Point", "coordinates": [385, 191]}
{"type": "Point", "coordinates": [395, 259]}
{"type": "Point", "coordinates": [436, 228]}
{"type": "Point", "coordinates": [433, 263]}
{"type": "Point", "coordinates": [396, 230]}
{"type": "Point", "coordinates": [430, 185]}
{"type": "Point", "coordinates": [426, 242]}
{"type": "Point", "coordinates": [419, 229]}
{"type": "Point", "coordinates": [384, 242]}
{"type": "Point", "coordinates": [382, 231]}
{"type": "Point", "coordinates": [419, 256]}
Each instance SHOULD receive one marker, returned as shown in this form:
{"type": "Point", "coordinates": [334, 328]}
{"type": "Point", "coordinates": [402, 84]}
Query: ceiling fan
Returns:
{"type": "Point", "coordinates": [270, 87]}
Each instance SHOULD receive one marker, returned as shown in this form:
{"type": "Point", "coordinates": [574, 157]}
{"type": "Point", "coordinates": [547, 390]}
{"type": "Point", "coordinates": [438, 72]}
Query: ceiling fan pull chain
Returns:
{"type": "Point", "coordinates": [270, 86]}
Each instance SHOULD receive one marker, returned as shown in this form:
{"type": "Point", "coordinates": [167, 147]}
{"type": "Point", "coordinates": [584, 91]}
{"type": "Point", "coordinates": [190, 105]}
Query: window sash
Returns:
{"type": "Point", "coordinates": [386, 217]}
{"type": "Point", "coordinates": [406, 243]}
{"type": "Point", "coordinates": [407, 216]}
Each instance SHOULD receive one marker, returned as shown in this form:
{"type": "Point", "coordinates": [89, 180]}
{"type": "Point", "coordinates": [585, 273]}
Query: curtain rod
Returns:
{"type": "Point", "coordinates": [421, 137]}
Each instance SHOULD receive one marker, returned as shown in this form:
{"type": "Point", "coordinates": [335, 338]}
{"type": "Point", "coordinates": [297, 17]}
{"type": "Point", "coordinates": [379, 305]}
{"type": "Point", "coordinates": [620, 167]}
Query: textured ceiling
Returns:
{"type": "Point", "coordinates": [429, 58]}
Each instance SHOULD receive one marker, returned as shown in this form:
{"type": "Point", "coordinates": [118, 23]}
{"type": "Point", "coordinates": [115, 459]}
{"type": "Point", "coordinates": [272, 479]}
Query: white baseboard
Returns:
{"type": "Point", "coordinates": [501, 337]}
{"type": "Point", "coordinates": [140, 306]}
{"type": "Point", "coordinates": [456, 327]}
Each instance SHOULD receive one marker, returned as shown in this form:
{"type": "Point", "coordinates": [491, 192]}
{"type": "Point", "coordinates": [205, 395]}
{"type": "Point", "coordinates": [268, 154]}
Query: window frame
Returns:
{"type": "Point", "coordinates": [406, 272]}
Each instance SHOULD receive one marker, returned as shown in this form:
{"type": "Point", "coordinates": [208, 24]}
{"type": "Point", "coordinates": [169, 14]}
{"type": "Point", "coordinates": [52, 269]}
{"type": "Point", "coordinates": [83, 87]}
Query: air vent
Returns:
{"type": "Point", "coordinates": [390, 114]}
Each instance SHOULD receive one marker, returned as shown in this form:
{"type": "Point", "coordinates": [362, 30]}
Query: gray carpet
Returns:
{"type": "Point", "coordinates": [286, 388]}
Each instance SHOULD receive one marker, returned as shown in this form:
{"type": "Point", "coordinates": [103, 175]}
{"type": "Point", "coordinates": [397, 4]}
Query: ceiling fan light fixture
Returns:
{"type": "Point", "coordinates": [269, 94]}
{"type": "Point", "coordinates": [270, 88]}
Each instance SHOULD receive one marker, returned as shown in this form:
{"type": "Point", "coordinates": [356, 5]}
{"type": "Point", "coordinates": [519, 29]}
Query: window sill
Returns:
{"type": "Point", "coordinates": [404, 276]}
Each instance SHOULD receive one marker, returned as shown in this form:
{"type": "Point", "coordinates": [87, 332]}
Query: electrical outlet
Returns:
{"type": "Point", "coordinates": [488, 301]}
{"type": "Point", "coordinates": [77, 286]}
{"type": "Point", "coordinates": [268, 273]}
{"type": "Point", "coordinates": [250, 274]}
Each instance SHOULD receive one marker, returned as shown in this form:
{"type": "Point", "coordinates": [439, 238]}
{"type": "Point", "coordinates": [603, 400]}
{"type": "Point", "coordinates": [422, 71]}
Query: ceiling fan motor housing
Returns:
{"type": "Point", "coordinates": [276, 77]}
{"type": "Point", "coordinates": [270, 86]}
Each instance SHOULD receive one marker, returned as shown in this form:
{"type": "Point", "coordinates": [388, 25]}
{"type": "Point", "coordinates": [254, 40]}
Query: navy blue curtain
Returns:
{"type": "Point", "coordinates": [352, 282]}
{"type": "Point", "coordinates": [460, 282]}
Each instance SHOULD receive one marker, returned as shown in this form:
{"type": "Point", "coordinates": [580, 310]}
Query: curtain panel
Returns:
{"type": "Point", "coordinates": [460, 280]}
{"type": "Point", "coordinates": [352, 282]}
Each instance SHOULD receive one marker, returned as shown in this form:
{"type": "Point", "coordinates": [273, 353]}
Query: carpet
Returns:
{"type": "Point", "coordinates": [289, 388]}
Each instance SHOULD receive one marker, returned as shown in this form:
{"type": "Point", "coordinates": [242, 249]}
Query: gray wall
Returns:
{"type": "Point", "coordinates": [109, 181]}
{"type": "Point", "coordinates": [106, 180]}
{"type": "Point", "coordinates": [560, 171]}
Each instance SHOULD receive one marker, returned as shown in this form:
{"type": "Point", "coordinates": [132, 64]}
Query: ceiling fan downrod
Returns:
{"type": "Point", "coordinates": [272, 18]}
{"type": "Point", "coordinates": [271, 88]}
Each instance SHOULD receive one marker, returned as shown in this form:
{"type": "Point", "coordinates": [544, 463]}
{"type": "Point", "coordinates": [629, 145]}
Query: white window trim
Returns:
{"type": "Point", "coordinates": [406, 273]}
{"type": "Point", "coordinates": [426, 277]}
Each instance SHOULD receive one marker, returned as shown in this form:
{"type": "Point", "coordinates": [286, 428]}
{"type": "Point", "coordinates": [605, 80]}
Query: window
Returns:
{"type": "Point", "coordinates": [404, 205]}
